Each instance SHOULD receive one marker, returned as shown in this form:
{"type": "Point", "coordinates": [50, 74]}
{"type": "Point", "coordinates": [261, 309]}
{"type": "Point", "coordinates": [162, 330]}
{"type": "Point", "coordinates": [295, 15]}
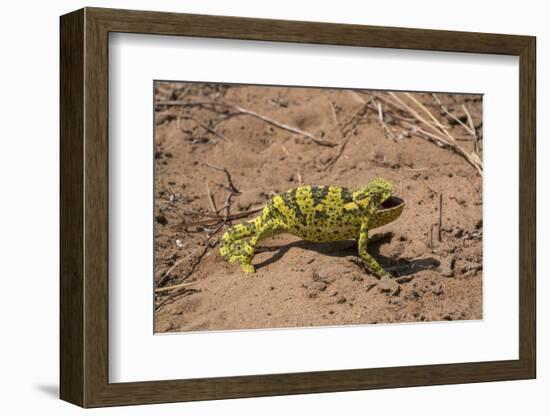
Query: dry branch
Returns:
{"type": "Point", "coordinates": [237, 110]}
{"type": "Point", "coordinates": [177, 116]}
{"type": "Point", "coordinates": [216, 220]}
{"type": "Point", "coordinates": [173, 287]}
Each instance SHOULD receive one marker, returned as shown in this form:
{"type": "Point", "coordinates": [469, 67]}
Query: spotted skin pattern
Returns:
{"type": "Point", "coordinates": [318, 214]}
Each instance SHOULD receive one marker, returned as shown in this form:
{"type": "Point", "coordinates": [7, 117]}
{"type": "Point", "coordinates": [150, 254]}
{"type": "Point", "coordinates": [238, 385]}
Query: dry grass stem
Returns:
{"type": "Point", "coordinates": [472, 127]}
{"type": "Point", "coordinates": [434, 135]}
{"type": "Point", "coordinates": [455, 118]}
{"type": "Point", "coordinates": [387, 130]}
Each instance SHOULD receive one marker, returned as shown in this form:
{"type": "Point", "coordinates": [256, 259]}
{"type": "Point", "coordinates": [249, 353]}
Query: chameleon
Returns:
{"type": "Point", "coordinates": [318, 214]}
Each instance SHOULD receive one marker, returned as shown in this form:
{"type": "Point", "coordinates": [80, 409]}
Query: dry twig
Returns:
{"type": "Point", "coordinates": [237, 110]}
{"type": "Point", "coordinates": [227, 174]}
{"type": "Point", "coordinates": [440, 222]}
{"type": "Point", "coordinates": [210, 198]}
{"type": "Point", "coordinates": [343, 145]}
{"type": "Point", "coordinates": [216, 220]}
{"type": "Point", "coordinates": [179, 286]}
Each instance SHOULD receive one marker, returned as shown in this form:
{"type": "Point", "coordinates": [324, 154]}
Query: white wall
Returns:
{"type": "Point", "coordinates": [29, 210]}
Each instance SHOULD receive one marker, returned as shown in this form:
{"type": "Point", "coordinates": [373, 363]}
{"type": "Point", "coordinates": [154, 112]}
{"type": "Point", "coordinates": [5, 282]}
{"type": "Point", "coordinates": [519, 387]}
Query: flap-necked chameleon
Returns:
{"type": "Point", "coordinates": [318, 214]}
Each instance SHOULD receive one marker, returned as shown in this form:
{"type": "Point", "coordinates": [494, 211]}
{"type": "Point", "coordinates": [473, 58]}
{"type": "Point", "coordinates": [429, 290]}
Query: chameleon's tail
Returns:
{"type": "Point", "coordinates": [233, 245]}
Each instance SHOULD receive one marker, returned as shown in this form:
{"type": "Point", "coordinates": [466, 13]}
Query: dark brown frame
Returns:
{"type": "Point", "coordinates": [84, 207]}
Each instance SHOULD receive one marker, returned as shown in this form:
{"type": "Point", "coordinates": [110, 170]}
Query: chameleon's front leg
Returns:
{"type": "Point", "coordinates": [372, 265]}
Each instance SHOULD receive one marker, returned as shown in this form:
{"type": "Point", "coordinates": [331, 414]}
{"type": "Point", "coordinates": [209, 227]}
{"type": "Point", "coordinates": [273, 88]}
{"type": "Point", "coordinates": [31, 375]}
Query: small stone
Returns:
{"type": "Point", "coordinates": [166, 327]}
{"type": "Point", "coordinates": [438, 290]}
{"type": "Point", "coordinates": [321, 276]}
{"type": "Point", "coordinates": [356, 278]}
{"type": "Point", "coordinates": [161, 219]}
{"type": "Point", "coordinates": [459, 233]}
{"type": "Point", "coordinates": [471, 268]}
{"type": "Point", "coordinates": [404, 279]}
{"type": "Point", "coordinates": [341, 300]}
{"type": "Point", "coordinates": [397, 251]}
{"type": "Point", "coordinates": [390, 286]}
{"type": "Point", "coordinates": [448, 267]}
{"type": "Point", "coordinates": [412, 294]}
{"type": "Point", "coordinates": [325, 158]}
{"type": "Point", "coordinates": [310, 261]}
{"type": "Point", "coordinates": [312, 294]}
{"type": "Point", "coordinates": [318, 286]}
{"type": "Point", "coordinates": [479, 224]}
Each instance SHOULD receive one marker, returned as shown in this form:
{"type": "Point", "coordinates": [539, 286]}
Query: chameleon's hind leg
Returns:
{"type": "Point", "coordinates": [372, 265]}
{"type": "Point", "coordinates": [266, 228]}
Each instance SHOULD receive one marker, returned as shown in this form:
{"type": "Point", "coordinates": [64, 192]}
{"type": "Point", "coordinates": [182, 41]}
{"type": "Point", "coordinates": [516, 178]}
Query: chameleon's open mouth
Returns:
{"type": "Point", "coordinates": [391, 203]}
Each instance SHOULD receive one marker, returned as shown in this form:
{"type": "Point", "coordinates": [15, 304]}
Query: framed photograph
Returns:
{"type": "Point", "coordinates": [256, 207]}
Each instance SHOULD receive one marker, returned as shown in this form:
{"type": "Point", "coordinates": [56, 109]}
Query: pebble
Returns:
{"type": "Point", "coordinates": [438, 290]}
{"type": "Point", "coordinates": [413, 294]}
{"type": "Point", "coordinates": [161, 219]}
{"type": "Point", "coordinates": [389, 286]}
{"type": "Point", "coordinates": [397, 251]}
{"type": "Point", "coordinates": [341, 300]}
{"type": "Point", "coordinates": [404, 279]}
{"type": "Point", "coordinates": [448, 266]}
{"type": "Point", "coordinates": [312, 294]}
{"type": "Point", "coordinates": [321, 276]}
{"type": "Point", "coordinates": [470, 268]}
{"type": "Point", "coordinates": [318, 286]}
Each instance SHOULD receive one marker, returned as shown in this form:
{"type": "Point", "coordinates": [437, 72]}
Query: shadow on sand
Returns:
{"type": "Point", "coordinates": [348, 248]}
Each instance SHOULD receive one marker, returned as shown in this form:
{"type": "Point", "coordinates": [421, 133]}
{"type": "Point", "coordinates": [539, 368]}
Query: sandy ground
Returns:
{"type": "Point", "coordinates": [298, 283]}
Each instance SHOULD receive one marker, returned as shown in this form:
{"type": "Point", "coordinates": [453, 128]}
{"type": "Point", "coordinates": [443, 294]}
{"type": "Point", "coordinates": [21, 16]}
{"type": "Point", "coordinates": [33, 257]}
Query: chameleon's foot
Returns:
{"type": "Point", "coordinates": [247, 268]}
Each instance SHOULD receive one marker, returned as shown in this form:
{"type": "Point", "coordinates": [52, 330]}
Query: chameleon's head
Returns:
{"type": "Point", "coordinates": [377, 198]}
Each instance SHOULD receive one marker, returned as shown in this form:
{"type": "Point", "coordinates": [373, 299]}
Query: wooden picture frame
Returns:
{"type": "Point", "coordinates": [84, 207]}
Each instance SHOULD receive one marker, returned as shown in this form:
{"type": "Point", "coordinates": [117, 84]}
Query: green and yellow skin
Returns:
{"type": "Point", "coordinates": [319, 214]}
